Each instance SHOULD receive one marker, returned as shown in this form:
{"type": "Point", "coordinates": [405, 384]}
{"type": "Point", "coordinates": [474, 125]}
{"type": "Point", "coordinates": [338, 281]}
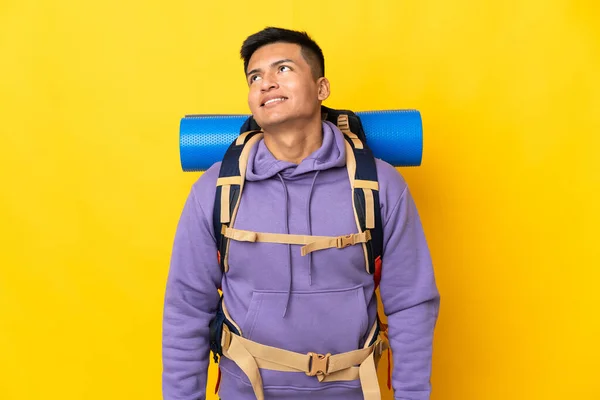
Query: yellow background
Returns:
{"type": "Point", "coordinates": [91, 94]}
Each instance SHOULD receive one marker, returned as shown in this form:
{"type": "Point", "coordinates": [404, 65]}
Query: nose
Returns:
{"type": "Point", "coordinates": [268, 82]}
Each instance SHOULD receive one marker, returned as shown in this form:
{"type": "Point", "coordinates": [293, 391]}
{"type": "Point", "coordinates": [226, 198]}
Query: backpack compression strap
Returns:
{"type": "Point", "coordinates": [229, 189]}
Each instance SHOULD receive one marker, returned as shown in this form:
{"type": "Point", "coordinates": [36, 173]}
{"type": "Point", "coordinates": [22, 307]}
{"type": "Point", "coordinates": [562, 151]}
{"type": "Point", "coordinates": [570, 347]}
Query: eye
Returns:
{"type": "Point", "coordinates": [284, 68]}
{"type": "Point", "coordinates": [254, 78]}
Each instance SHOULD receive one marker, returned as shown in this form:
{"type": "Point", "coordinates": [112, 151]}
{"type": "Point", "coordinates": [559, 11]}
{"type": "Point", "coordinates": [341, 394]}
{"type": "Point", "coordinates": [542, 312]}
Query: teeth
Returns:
{"type": "Point", "coordinates": [273, 100]}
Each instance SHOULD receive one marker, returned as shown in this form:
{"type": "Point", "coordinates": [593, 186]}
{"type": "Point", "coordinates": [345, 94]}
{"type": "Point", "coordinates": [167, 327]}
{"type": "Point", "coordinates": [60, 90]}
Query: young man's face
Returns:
{"type": "Point", "coordinates": [283, 90]}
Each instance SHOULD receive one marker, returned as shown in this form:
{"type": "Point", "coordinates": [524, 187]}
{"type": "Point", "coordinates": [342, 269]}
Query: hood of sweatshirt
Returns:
{"type": "Point", "coordinates": [332, 153]}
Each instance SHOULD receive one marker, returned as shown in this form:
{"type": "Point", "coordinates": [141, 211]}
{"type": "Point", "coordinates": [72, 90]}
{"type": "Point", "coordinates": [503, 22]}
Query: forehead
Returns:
{"type": "Point", "coordinates": [273, 52]}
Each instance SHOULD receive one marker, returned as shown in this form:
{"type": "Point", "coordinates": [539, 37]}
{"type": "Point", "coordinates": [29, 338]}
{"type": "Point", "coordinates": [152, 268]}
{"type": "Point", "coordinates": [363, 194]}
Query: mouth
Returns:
{"type": "Point", "coordinates": [276, 100]}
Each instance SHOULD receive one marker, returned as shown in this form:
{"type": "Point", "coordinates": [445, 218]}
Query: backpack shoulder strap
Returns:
{"type": "Point", "coordinates": [230, 184]}
{"type": "Point", "coordinates": [351, 120]}
{"type": "Point", "coordinates": [362, 172]}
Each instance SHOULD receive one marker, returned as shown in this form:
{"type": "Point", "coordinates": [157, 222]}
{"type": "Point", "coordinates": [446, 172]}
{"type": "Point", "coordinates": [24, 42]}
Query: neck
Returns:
{"type": "Point", "coordinates": [294, 143]}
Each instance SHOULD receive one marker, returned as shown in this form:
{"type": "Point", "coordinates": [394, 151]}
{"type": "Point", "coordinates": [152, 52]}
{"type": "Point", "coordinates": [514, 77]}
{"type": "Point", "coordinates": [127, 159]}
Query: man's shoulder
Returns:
{"type": "Point", "coordinates": [390, 179]}
{"type": "Point", "coordinates": [209, 177]}
{"type": "Point", "coordinates": [392, 187]}
{"type": "Point", "coordinates": [205, 187]}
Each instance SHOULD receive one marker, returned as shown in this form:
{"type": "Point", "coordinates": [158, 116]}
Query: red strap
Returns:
{"type": "Point", "coordinates": [389, 382]}
{"type": "Point", "coordinates": [218, 381]}
{"type": "Point", "coordinates": [377, 274]}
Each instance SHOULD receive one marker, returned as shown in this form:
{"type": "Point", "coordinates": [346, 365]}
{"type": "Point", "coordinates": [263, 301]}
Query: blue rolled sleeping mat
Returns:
{"type": "Point", "coordinates": [395, 136]}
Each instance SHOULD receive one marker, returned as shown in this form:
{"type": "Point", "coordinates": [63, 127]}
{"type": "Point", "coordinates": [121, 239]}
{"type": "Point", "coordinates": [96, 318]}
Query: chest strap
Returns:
{"type": "Point", "coordinates": [311, 243]}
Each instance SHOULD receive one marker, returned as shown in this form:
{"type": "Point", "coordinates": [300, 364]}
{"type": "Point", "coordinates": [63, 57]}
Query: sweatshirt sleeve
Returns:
{"type": "Point", "coordinates": [191, 301]}
{"type": "Point", "coordinates": [410, 299]}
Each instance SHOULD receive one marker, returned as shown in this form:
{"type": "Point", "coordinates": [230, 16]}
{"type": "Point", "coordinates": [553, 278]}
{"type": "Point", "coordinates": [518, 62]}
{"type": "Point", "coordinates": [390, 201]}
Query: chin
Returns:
{"type": "Point", "coordinates": [272, 121]}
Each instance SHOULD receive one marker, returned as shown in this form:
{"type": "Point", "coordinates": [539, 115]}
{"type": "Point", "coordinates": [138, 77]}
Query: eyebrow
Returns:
{"type": "Point", "coordinates": [276, 63]}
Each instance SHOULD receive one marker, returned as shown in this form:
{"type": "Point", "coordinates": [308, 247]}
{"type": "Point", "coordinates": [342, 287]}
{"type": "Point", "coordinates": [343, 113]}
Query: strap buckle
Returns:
{"type": "Point", "coordinates": [318, 364]}
{"type": "Point", "coordinates": [344, 241]}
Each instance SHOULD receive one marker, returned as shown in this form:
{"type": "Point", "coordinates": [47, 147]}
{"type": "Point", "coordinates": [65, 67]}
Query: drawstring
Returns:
{"type": "Point", "coordinates": [287, 230]}
{"type": "Point", "coordinates": [309, 225]}
{"type": "Point", "coordinates": [289, 246]}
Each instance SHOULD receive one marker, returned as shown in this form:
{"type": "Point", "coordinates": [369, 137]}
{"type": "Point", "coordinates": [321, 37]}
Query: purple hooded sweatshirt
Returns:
{"type": "Point", "coordinates": [323, 302]}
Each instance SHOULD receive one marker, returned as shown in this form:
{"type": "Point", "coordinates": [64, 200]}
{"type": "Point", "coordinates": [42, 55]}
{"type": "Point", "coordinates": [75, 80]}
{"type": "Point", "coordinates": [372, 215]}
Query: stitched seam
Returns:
{"type": "Point", "coordinates": [395, 207]}
{"type": "Point", "coordinates": [254, 319]}
{"type": "Point", "coordinates": [310, 292]}
{"type": "Point", "coordinates": [203, 217]}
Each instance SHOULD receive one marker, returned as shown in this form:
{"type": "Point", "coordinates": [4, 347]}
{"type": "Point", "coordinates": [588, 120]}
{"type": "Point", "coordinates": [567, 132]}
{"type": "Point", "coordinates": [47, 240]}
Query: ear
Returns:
{"type": "Point", "coordinates": [323, 88]}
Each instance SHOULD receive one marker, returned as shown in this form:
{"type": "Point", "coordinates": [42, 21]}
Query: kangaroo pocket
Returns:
{"type": "Point", "coordinates": [333, 321]}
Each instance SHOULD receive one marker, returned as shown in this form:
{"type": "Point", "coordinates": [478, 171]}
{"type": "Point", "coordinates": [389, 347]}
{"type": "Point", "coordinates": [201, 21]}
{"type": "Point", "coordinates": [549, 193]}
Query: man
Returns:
{"type": "Point", "coordinates": [324, 301]}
